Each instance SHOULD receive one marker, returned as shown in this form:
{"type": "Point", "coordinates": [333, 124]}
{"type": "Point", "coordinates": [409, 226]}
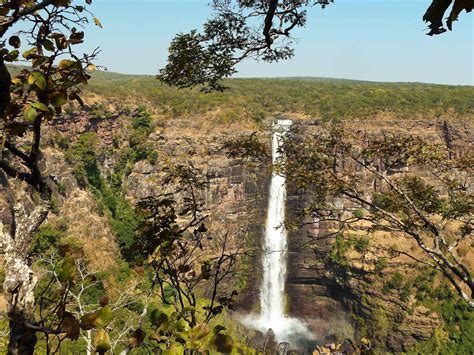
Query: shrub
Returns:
{"type": "Point", "coordinates": [48, 235]}
{"type": "Point", "coordinates": [395, 282]}
{"type": "Point", "coordinates": [84, 159]}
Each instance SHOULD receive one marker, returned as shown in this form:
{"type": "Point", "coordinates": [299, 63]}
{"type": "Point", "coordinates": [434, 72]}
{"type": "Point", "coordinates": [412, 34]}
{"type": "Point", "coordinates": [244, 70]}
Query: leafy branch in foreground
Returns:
{"type": "Point", "coordinates": [255, 29]}
{"type": "Point", "coordinates": [72, 303]}
{"type": "Point", "coordinates": [435, 14]}
{"type": "Point", "coordinates": [247, 147]}
{"type": "Point", "coordinates": [49, 30]}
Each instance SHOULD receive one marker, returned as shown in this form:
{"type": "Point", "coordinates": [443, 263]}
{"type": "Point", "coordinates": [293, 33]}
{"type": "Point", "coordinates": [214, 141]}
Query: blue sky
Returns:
{"type": "Point", "coordinates": [380, 40]}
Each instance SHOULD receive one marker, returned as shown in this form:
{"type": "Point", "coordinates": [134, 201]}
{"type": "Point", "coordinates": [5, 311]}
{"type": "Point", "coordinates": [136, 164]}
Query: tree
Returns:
{"type": "Point", "coordinates": [242, 29]}
{"type": "Point", "coordinates": [29, 99]}
{"type": "Point", "coordinates": [398, 184]}
{"type": "Point", "coordinates": [188, 267]}
{"type": "Point", "coordinates": [71, 310]}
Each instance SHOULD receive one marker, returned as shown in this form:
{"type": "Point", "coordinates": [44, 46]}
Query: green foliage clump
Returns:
{"type": "Point", "coordinates": [124, 220]}
{"type": "Point", "coordinates": [143, 120]}
{"type": "Point", "coordinates": [337, 256]}
{"type": "Point", "coordinates": [455, 335]}
{"type": "Point", "coordinates": [83, 156]}
{"type": "Point", "coordinates": [337, 259]}
{"type": "Point", "coordinates": [137, 140]}
{"type": "Point", "coordinates": [424, 285]}
{"type": "Point", "coordinates": [406, 291]}
{"type": "Point", "coordinates": [380, 264]}
{"type": "Point", "coordinates": [360, 243]}
{"type": "Point", "coordinates": [394, 283]}
{"type": "Point", "coordinates": [246, 147]}
{"type": "Point", "coordinates": [48, 236]}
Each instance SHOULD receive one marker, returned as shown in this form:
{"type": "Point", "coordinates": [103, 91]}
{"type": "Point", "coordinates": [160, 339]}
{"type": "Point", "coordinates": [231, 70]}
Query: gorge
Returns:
{"type": "Point", "coordinates": [210, 205]}
{"type": "Point", "coordinates": [114, 152]}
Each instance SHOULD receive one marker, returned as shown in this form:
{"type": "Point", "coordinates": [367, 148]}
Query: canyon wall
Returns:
{"type": "Point", "coordinates": [235, 199]}
{"type": "Point", "coordinates": [336, 307]}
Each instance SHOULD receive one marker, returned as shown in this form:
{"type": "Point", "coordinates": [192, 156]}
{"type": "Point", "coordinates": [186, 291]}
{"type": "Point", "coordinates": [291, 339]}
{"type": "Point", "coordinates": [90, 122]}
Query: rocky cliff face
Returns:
{"type": "Point", "coordinates": [336, 308]}
{"type": "Point", "coordinates": [234, 195]}
{"type": "Point", "coordinates": [235, 198]}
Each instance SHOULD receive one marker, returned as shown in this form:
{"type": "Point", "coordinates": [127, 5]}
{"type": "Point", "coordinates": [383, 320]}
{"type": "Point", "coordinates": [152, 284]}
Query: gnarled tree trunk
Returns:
{"type": "Point", "coordinates": [5, 81]}
{"type": "Point", "coordinates": [19, 219]}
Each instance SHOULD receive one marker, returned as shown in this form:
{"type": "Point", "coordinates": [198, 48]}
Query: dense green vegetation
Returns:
{"type": "Point", "coordinates": [326, 98]}
{"type": "Point", "coordinates": [454, 335]}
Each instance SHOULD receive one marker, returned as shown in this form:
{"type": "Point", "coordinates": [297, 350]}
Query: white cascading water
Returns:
{"type": "Point", "coordinates": [272, 293]}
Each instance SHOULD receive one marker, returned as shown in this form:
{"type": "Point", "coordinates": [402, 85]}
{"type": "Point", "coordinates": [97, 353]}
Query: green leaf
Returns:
{"type": "Point", "coordinates": [67, 272]}
{"type": "Point", "coordinates": [157, 337]}
{"type": "Point", "coordinates": [39, 61]}
{"type": "Point", "coordinates": [98, 319]}
{"type": "Point", "coordinates": [40, 106]}
{"type": "Point", "coordinates": [104, 317]}
{"type": "Point", "coordinates": [30, 52]}
{"type": "Point", "coordinates": [48, 45]}
{"type": "Point", "coordinates": [12, 56]}
{"type": "Point", "coordinates": [188, 309]}
{"type": "Point", "coordinates": [163, 346]}
{"type": "Point", "coordinates": [58, 98]}
{"type": "Point", "coordinates": [102, 342]}
{"type": "Point", "coordinates": [88, 320]}
{"type": "Point", "coordinates": [183, 336]}
{"type": "Point", "coordinates": [175, 349]}
{"type": "Point", "coordinates": [181, 325]}
{"type": "Point", "coordinates": [66, 63]}
{"type": "Point", "coordinates": [30, 113]}
{"type": "Point", "coordinates": [36, 78]}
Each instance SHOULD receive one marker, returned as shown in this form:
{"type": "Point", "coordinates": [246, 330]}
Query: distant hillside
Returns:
{"type": "Point", "coordinates": [308, 97]}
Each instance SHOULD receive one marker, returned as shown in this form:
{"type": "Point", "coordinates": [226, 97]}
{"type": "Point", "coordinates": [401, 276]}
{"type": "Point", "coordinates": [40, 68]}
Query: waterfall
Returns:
{"type": "Point", "coordinates": [274, 259]}
{"type": "Point", "coordinates": [272, 296]}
